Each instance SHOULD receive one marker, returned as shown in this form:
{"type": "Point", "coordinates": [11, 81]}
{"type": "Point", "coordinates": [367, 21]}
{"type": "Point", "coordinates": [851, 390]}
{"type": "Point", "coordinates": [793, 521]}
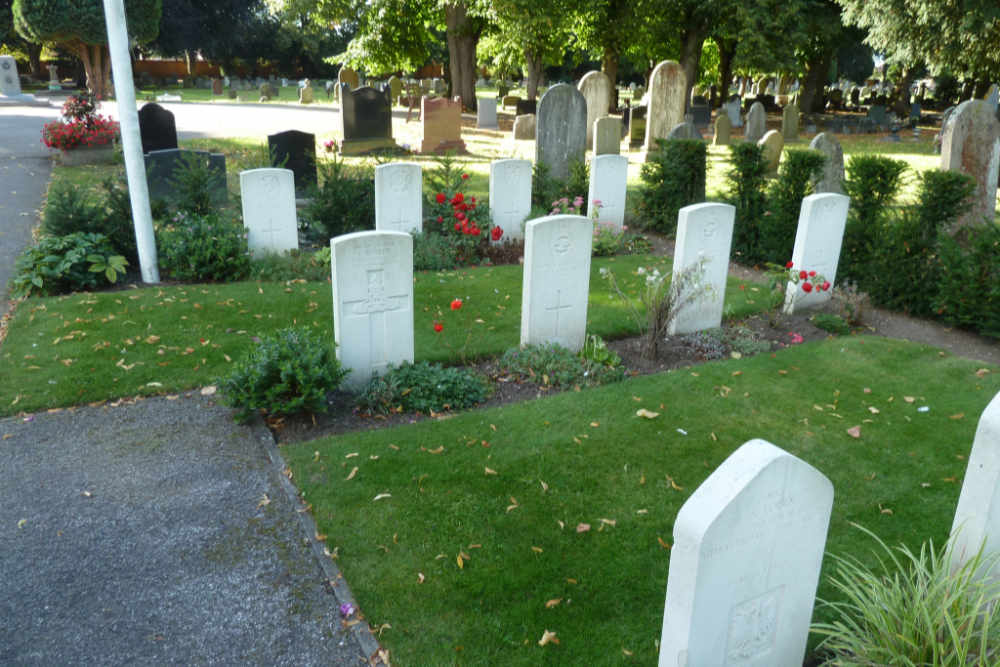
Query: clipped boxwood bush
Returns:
{"type": "Point", "coordinates": [203, 248]}
{"type": "Point", "coordinates": [343, 203]}
{"type": "Point", "coordinates": [784, 201]}
{"type": "Point", "coordinates": [423, 387]}
{"type": "Point", "coordinates": [289, 371]}
{"type": "Point", "coordinates": [673, 177]}
{"type": "Point", "coordinates": [746, 180]}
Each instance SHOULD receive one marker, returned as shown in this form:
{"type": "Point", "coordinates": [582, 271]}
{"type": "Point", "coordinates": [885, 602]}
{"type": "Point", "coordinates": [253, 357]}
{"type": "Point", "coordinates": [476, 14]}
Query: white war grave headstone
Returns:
{"type": "Point", "coordinates": [372, 302]}
{"type": "Point", "coordinates": [748, 545]}
{"type": "Point", "coordinates": [556, 282]}
{"type": "Point", "coordinates": [666, 102]}
{"type": "Point", "coordinates": [269, 210]}
{"type": "Point", "coordinates": [608, 181]}
{"type": "Point", "coordinates": [818, 239]}
{"type": "Point", "coordinates": [510, 196]}
{"type": "Point", "coordinates": [398, 203]}
{"type": "Point", "coordinates": [704, 241]}
{"type": "Point", "coordinates": [977, 517]}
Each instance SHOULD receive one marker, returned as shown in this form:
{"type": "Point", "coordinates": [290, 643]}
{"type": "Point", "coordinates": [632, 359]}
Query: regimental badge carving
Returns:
{"type": "Point", "coordinates": [561, 245]}
{"type": "Point", "coordinates": [753, 626]}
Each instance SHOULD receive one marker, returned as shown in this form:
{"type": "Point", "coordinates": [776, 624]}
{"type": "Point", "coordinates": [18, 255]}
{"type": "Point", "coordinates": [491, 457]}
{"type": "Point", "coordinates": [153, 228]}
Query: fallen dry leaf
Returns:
{"type": "Point", "coordinates": [354, 471]}
{"type": "Point", "coordinates": [872, 409]}
{"type": "Point", "coordinates": [545, 487]}
{"type": "Point", "coordinates": [582, 527]}
{"type": "Point", "coordinates": [490, 471]}
{"type": "Point", "coordinates": [547, 638]}
{"type": "Point", "coordinates": [909, 399]}
{"type": "Point", "coordinates": [982, 372]}
{"type": "Point", "coordinates": [960, 415]}
{"type": "Point", "coordinates": [537, 550]}
{"type": "Point", "coordinates": [460, 561]}
{"type": "Point", "coordinates": [646, 414]}
{"type": "Point", "coordinates": [208, 391]}
{"type": "Point", "coordinates": [595, 424]}
{"type": "Point", "coordinates": [663, 544]}
{"type": "Point", "coordinates": [264, 501]}
{"type": "Point", "coordinates": [436, 450]}
{"type": "Point", "coordinates": [553, 603]}
{"type": "Point", "coordinates": [381, 496]}
{"type": "Point", "coordinates": [854, 431]}
{"type": "Point", "coordinates": [420, 577]}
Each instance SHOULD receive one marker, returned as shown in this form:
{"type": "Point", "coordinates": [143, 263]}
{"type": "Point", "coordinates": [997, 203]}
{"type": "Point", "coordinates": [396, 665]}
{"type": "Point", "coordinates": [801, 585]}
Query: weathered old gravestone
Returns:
{"type": "Point", "coordinates": [156, 128]}
{"type": "Point", "coordinates": [666, 102]}
{"type": "Point", "coordinates": [524, 127]}
{"type": "Point", "coordinates": [267, 92]}
{"type": "Point", "coordinates": [832, 177]}
{"type": "Point", "coordinates": [704, 240]}
{"type": "Point", "coordinates": [608, 180]}
{"type": "Point", "coordinates": [510, 101]}
{"type": "Point", "coordinates": [596, 90]}
{"type": "Point", "coordinates": [970, 143]}
{"type": "Point", "coordinates": [161, 171]}
{"type": "Point", "coordinates": [556, 280]}
{"type": "Point", "coordinates": [756, 122]}
{"type": "Point", "coordinates": [685, 130]}
{"type": "Point", "coordinates": [486, 113]}
{"type": "Point", "coordinates": [441, 125]}
{"type": "Point", "coordinates": [348, 76]}
{"type": "Point", "coordinates": [216, 86]}
{"type": "Point", "coordinates": [723, 130]}
{"type": "Point", "coordinates": [398, 204]}
{"type": "Point", "coordinates": [790, 122]}
{"type": "Point", "coordinates": [607, 135]}
{"type": "Point", "coordinates": [733, 108]}
{"type": "Point", "coordinates": [365, 120]}
{"type": "Point", "coordinates": [636, 127]}
{"type": "Point", "coordinates": [561, 132]}
{"type": "Point", "coordinates": [295, 150]}
{"type": "Point", "coordinates": [748, 545]}
{"type": "Point", "coordinates": [372, 302]}
{"type": "Point", "coordinates": [977, 517]}
{"type": "Point", "coordinates": [269, 210]}
{"type": "Point", "coordinates": [818, 239]}
{"type": "Point", "coordinates": [10, 84]}
{"type": "Point", "coordinates": [306, 94]}
{"type": "Point", "coordinates": [877, 115]}
{"type": "Point", "coordinates": [395, 89]}
{"type": "Point", "coordinates": [701, 113]}
{"type": "Point", "coordinates": [992, 96]}
{"type": "Point", "coordinates": [510, 196]}
{"type": "Point", "coordinates": [772, 144]}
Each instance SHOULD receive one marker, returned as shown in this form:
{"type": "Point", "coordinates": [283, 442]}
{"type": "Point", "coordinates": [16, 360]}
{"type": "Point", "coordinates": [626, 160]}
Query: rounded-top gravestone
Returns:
{"type": "Point", "coordinates": [666, 102]}
{"type": "Point", "coordinates": [561, 129]}
{"type": "Point", "coordinates": [832, 177]}
{"type": "Point", "coordinates": [756, 122]}
{"type": "Point", "coordinates": [596, 90]}
{"type": "Point", "coordinates": [970, 143]}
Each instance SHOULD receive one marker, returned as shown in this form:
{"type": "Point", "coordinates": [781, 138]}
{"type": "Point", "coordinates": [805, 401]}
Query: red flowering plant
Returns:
{"type": "Point", "coordinates": [457, 327]}
{"type": "Point", "coordinates": [458, 216]}
{"type": "Point", "coordinates": [80, 126]}
{"type": "Point", "coordinates": [784, 277]}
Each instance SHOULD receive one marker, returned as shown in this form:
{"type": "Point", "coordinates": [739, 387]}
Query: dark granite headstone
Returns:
{"type": "Point", "coordinates": [366, 120]}
{"type": "Point", "coordinates": [156, 128]}
{"type": "Point", "coordinates": [701, 114]}
{"type": "Point", "coordinates": [295, 150]}
{"type": "Point", "coordinates": [526, 107]}
{"type": "Point", "coordinates": [162, 165]}
{"type": "Point", "coordinates": [877, 115]}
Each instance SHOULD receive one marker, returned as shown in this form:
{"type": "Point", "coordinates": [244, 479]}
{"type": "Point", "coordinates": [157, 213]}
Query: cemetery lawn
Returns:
{"type": "Point", "coordinates": [81, 348]}
{"type": "Point", "coordinates": [466, 539]}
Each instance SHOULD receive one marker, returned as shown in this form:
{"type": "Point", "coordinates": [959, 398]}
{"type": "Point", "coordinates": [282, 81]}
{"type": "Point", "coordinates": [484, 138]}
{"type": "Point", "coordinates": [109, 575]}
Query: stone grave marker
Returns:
{"type": "Point", "coordinates": [745, 563]}
{"type": "Point", "coordinates": [395, 89]}
{"type": "Point", "coordinates": [977, 517]}
{"type": "Point", "coordinates": [561, 132]}
{"type": "Point", "coordinates": [295, 150]}
{"type": "Point", "coordinates": [510, 101]}
{"type": "Point", "coordinates": [596, 90]}
{"type": "Point", "coordinates": [772, 142]}
{"type": "Point", "coordinates": [441, 123]}
{"type": "Point", "coordinates": [970, 143]}
{"type": "Point", "coordinates": [306, 93]}
{"type": "Point", "coordinates": [157, 128]}
{"type": "Point", "coordinates": [524, 127]}
{"type": "Point", "coordinates": [486, 113]}
{"type": "Point", "coordinates": [216, 86]}
{"type": "Point", "coordinates": [701, 113]}
{"type": "Point", "coordinates": [510, 196]}
{"type": "Point", "coordinates": [666, 102]}
{"type": "Point", "coordinates": [723, 130]}
{"type": "Point", "coordinates": [818, 239]}
{"type": "Point", "coordinates": [556, 280]}
{"type": "Point", "coordinates": [685, 130]}
{"type": "Point", "coordinates": [372, 302]}
{"type": "Point", "coordinates": [790, 122]}
{"type": "Point", "coordinates": [398, 203]}
{"type": "Point", "coordinates": [608, 180]}
{"type": "Point", "coordinates": [267, 92]}
{"type": "Point", "coordinates": [348, 76]}
{"type": "Point", "coordinates": [877, 115]}
{"type": "Point", "coordinates": [10, 83]}
{"type": "Point", "coordinates": [636, 127]}
{"type": "Point", "coordinates": [832, 177]}
{"type": "Point", "coordinates": [524, 107]}
{"type": "Point", "coordinates": [992, 96]}
{"type": "Point", "coordinates": [607, 135]}
{"type": "Point", "coordinates": [733, 109]}
{"type": "Point", "coordinates": [269, 210]}
{"type": "Point", "coordinates": [365, 120]}
{"type": "Point", "coordinates": [756, 122]}
{"type": "Point", "coordinates": [704, 240]}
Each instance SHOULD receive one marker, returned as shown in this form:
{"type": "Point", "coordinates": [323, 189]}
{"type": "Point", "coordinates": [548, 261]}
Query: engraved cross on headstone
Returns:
{"type": "Point", "coordinates": [556, 308]}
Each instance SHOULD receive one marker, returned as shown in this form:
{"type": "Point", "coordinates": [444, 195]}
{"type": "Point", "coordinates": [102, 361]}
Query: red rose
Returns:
{"type": "Point", "coordinates": [458, 198]}
{"type": "Point", "coordinates": [438, 327]}
{"type": "Point", "coordinates": [465, 177]}
{"type": "Point", "coordinates": [807, 287]}
{"type": "Point", "coordinates": [440, 219]}
{"type": "Point", "coordinates": [825, 286]}
{"type": "Point", "coordinates": [458, 226]}
{"type": "Point", "coordinates": [789, 265]}
{"type": "Point", "coordinates": [496, 233]}
{"type": "Point", "coordinates": [456, 304]}
{"type": "Point", "coordinates": [441, 198]}
{"type": "Point", "coordinates": [472, 199]}
{"type": "Point", "coordinates": [812, 274]}
{"type": "Point", "coordinates": [475, 231]}
{"type": "Point", "coordinates": [803, 275]}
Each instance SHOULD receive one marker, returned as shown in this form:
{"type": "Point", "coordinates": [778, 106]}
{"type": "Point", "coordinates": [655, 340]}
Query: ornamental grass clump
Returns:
{"type": "Point", "coordinates": [913, 609]}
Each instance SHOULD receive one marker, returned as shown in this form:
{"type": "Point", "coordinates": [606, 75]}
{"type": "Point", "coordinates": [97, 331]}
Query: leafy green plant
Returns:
{"type": "Point", "coordinates": [741, 339]}
{"type": "Point", "coordinates": [294, 265]}
{"type": "Point", "coordinates": [784, 200]}
{"type": "Point", "coordinates": [423, 387]}
{"type": "Point", "coordinates": [196, 247]}
{"type": "Point", "coordinates": [433, 252]}
{"type": "Point", "coordinates": [914, 609]}
{"type": "Point", "coordinates": [968, 293]}
{"type": "Point", "coordinates": [462, 221]}
{"type": "Point", "coordinates": [194, 183]}
{"type": "Point", "coordinates": [873, 182]}
{"type": "Point", "coordinates": [747, 181]}
{"type": "Point", "coordinates": [552, 365]}
{"type": "Point", "coordinates": [60, 264]}
{"type": "Point", "coordinates": [596, 350]}
{"type": "Point", "coordinates": [673, 177]}
{"type": "Point", "coordinates": [835, 324]}
{"type": "Point", "coordinates": [343, 202]}
{"type": "Point", "coordinates": [289, 371]}
{"type": "Point", "coordinates": [546, 189]}
{"type": "Point", "coordinates": [69, 209]}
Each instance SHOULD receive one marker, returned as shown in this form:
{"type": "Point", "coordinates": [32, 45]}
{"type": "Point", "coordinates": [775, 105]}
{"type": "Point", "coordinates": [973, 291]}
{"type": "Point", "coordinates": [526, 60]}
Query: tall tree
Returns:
{"type": "Point", "coordinates": [537, 30]}
{"type": "Point", "coordinates": [219, 30]}
{"type": "Point", "coordinates": [607, 29]}
{"type": "Point", "coordinates": [78, 27]}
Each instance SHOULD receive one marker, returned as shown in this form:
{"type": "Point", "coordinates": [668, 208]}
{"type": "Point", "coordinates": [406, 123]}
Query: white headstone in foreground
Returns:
{"type": "Point", "coordinates": [704, 239]}
{"type": "Point", "coordinates": [372, 302]}
{"type": "Point", "coordinates": [818, 238]}
{"type": "Point", "coordinates": [398, 197]}
{"type": "Point", "coordinates": [510, 196]}
{"type": "Point", "coordinates": [608, 181]}
{"type": "Point", "coordinates": [748, 545]}
{"type": "Point", "coordinates": [977, 517]}
{"type": "Point", "coordinates": [269, 210]}
{"type": "Point", "coordinates": [556, 280]}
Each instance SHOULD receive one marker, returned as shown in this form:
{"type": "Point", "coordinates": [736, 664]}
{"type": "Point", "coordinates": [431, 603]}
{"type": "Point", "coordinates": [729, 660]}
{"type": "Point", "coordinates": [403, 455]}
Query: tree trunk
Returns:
{"type": "Point", "coordinates": [609, 65]}
{"type": "Point", "coordinates": [811, 92]}
{"type": "Point", "coordinates": [727, 50]}
{"type": "Point", "coordinates": [34, 60]}
{"type": "Point", "coordinates": [691, 43]}
{"type": "Point", "coordinates": [463, 37]}
{"type": "Point", "coordinates": [533, 65]}
{"type": "Point", "coordinates": [189, 62]}
{"type": "Point", "coordinates": [95, 64]}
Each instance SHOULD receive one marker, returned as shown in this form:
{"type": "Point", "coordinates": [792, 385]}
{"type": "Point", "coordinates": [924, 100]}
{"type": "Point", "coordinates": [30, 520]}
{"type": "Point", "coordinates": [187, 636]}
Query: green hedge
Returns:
{"type": "Point", "coordinates": [673, 177]}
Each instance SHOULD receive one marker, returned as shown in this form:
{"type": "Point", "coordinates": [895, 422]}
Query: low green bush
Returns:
{"type": "Point", "coordinates": [872, 183]}
{"type": "Point", "coordinates": [70, 263]}
{"type": "Point", "coordinates": [545, 189]}
{"type": "Point", "coordinates": [433, 252]}
{"type": "Point", "coordinates": [423, 387]}
{"type": "Point", "coordinates": [673, 177]}
{"type": "Point", "coordinates": [784, 201]}
{"type": "Point", "coordinates": [290, 371]}
{"type": "Point", "coordinates": [747, 181]}
{"type": "Point", "coordinates": [71, 209]}
{"type": "Point", "coordinates": [968, 291]}
{"type": "Point", "coordinates": [293, 265]}
{"type": "Point", "coordinates": [835, 324]}
{"type": "Point", "coordinates": [344, 201]}
{"type": "Point", "coordinates": [552, 365]}
{"type": "Point", "coordinates": [194, 183]}
{"type": "Point", "coordinates": [203, 248]}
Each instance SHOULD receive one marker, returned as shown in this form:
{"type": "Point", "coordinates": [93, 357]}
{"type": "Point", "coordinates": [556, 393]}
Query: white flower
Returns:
{"type": "Point", "coordinates": [641, 270]}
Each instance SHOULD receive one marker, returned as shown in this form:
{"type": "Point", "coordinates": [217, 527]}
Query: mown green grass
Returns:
{"type": "Point", "coordinates": [508, 487]}
{"type": "Point", "coordinates": [81, 348]}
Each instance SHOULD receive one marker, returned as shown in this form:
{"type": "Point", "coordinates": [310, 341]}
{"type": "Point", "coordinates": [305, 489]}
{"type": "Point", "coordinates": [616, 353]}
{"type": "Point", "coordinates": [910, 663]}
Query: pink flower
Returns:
{"type": "Point", "coordinates": [796, 338]}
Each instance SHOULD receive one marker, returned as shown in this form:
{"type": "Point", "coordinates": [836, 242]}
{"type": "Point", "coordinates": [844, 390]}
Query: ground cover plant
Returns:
{"type": "Point", "coordinates": [86, 347]}
{"type": "Point", "coordinates": [470, 539]}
